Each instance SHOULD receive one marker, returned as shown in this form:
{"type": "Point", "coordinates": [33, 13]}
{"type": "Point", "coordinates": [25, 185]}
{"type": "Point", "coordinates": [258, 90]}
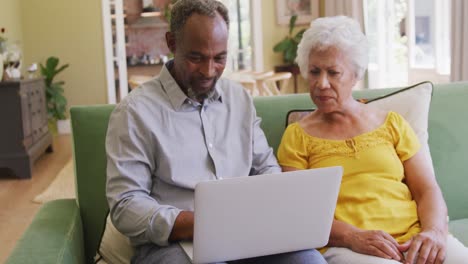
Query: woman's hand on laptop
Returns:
{"type": "Point", "coordinates": [183, 227]}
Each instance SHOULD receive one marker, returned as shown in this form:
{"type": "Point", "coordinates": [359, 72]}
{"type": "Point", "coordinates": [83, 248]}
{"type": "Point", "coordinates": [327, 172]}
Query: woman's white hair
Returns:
{"type": "Point", "coordinates": [340, 32]}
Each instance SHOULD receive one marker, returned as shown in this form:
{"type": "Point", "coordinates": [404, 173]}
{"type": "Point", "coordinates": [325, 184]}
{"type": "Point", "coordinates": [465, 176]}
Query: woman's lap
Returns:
{"type": "Point", "coordinates": [456, 253]}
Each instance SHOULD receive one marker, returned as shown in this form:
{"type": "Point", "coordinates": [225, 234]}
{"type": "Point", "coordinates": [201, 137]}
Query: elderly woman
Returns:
{"type": "Point", "coordinates": [390, 208]}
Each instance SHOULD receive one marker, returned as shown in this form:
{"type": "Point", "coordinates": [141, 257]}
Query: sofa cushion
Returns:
{"type": "Point", "coordinates": [412, 103]}
{"type": "Point", "coordinates": [115, 248]}
{"type": "Point", "coordinates": [459, 229]}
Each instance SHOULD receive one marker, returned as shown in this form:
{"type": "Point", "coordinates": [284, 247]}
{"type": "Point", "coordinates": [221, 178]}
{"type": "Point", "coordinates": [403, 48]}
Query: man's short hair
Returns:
{"type": "Point", "coordinates": [183, 9]}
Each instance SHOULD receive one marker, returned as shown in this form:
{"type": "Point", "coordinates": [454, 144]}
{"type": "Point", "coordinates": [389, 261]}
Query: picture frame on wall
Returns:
{"type": "Point", "coordinates": [306, 11]}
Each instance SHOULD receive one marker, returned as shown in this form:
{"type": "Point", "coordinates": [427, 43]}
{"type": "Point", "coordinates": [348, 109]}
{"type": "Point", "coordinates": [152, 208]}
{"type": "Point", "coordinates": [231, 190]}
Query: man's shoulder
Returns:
{"type": "Point", "coordinates": [148, 95]}
{"type": "Point", "coordinates": [233, 90]}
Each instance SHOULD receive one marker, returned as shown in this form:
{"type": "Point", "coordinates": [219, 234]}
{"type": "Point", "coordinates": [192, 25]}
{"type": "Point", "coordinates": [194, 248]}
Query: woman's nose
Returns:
{"type": "Point", "coordinates": [322, 82]}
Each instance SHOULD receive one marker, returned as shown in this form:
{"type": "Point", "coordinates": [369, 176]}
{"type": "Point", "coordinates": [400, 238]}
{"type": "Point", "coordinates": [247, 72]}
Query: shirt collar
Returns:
{"type": "Point", "coordinates": [177, 97]}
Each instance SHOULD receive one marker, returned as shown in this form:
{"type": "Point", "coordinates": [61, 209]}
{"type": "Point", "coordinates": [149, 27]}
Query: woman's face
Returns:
{"type": "Point", "coordinates": [331, 79]}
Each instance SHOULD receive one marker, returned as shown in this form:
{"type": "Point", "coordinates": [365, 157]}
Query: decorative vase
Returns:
{"type": "Point", "coordinates": [63, 126]}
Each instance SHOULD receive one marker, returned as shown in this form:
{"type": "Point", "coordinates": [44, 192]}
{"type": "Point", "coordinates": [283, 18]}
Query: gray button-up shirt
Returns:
{"type": "Point", "coordinates": [160, 144]}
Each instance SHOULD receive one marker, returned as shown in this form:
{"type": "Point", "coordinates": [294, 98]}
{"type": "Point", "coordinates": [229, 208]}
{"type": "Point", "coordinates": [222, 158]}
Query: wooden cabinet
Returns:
{"type": "Point", "coordinates": [24, 133]}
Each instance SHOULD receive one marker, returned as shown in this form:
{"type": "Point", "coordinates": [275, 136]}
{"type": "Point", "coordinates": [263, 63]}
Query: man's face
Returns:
{"type": "Point", "coordinates": [199, 54]}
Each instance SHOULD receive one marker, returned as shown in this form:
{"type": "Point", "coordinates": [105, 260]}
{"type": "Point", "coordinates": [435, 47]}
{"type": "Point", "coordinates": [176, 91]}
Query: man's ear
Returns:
{"type": "Point", "coordinates": [170, 41]}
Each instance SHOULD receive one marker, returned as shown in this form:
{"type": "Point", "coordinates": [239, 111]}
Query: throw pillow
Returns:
{"type": "Point", "coordinates": [411, 102]}
{"type": "Point", "coordinates": [115, 248]}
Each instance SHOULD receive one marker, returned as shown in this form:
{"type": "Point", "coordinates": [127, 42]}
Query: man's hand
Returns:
{"type": "Point", "coordinates": [429, 247]}
{"type": "Point", "coordinates": [376, 243]}
{"type": "Point", "coordinates": [183, 227]}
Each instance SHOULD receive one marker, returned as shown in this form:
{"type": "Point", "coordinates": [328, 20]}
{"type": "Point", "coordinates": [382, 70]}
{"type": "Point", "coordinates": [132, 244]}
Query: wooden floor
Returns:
{"type": "Point", "coordinates": [16, 208]}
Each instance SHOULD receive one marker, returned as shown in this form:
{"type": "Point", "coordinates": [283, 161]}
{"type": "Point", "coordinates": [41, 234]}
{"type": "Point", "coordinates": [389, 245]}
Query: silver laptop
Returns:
{"type": "Point", "coordinates": [261, 215]}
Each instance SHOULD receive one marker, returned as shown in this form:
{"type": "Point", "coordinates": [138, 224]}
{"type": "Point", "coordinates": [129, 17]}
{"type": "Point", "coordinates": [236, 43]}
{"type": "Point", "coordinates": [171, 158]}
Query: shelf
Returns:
{"type": "Point", "coordinates": [151, 14]}
{"type": "Point", "coordinates": [143, 14]}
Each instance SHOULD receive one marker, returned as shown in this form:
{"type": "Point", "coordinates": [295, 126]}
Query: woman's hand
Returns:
{"type": "Point", "coordinates": [376, 243]}
{"type": "Point", "coordinates": [429, 246]}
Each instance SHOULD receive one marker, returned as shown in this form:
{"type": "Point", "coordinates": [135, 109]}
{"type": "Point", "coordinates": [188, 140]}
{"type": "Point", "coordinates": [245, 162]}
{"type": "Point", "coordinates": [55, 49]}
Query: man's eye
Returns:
{"type": "Point", "coordinates": [333, 73]}
{"type": "Point", "coordinates": [220, 59]}
{"type": "Point", "coordinates": [194, 59]}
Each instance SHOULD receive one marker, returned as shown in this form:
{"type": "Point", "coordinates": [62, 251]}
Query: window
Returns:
{"type": "Point", "coordinates": [409, 41]}
{"type": "Point", "coordinates": [431, 42]}
{"type": "Point", "coordinates": [240, 42]}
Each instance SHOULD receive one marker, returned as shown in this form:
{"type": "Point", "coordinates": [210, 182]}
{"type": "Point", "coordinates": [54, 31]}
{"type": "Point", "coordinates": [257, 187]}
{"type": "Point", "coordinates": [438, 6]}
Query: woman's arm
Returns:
{"type": "Point", "coordinates": [430, 244]}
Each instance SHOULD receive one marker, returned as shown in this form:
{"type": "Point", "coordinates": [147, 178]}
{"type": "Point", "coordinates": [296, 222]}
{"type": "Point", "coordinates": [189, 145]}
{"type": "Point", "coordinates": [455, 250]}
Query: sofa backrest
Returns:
{"type": "Point", "coordinates": [448, 128]}
{"type": "Point", "coordinates": [89, 127]}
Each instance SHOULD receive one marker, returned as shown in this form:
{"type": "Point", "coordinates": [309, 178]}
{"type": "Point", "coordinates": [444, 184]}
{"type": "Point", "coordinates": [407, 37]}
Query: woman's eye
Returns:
{"type": "Point", "coordinates": [314, 72]}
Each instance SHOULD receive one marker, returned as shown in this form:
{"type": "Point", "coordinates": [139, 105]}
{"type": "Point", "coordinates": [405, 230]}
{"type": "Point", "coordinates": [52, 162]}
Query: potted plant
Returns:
{"type": "Point", "coordinates": [288, 46]}
{"type": "Point", "coordinates": [56, 101]}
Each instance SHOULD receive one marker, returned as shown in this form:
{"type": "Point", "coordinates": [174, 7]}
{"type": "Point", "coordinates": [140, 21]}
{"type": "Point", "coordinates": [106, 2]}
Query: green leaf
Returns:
{"type": "Point", "coordinates": [52, 63]}
{"type": "Point", "coordinates": [282, 46]}
{"type": "Point", "coordinates": [299, 35]}
{"type": "Point", "coordinates": [292, 23]}
{"type": "Point", "coordinates": [61, 69]}
{"type": "Point", "coordinates": [290, 55]}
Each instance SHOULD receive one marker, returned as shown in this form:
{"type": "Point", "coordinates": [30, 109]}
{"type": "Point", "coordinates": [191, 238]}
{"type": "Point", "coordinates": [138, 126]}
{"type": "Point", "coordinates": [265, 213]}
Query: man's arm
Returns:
{"type": "Point", "coordinates": [130, 163]}
{"type": "Point", "coordinates": [183, 227]}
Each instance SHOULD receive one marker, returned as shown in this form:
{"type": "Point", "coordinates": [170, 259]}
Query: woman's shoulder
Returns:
{"type": "Point", "coordinates": [293, 127]}
{"type": "Point", "coordinates": [395, 119]}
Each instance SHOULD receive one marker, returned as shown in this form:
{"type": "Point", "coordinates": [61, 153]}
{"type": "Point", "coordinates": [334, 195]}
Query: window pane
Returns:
{"type": "Point", "coordinates": [424, 38]}
{"type": "Point", "coordinates": [386, 32]}
{"type": "Point", "coordinates": [239, 46]}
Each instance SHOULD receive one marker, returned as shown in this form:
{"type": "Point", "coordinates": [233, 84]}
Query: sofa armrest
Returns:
{"type": "Point", "coordinates": [54, 236]}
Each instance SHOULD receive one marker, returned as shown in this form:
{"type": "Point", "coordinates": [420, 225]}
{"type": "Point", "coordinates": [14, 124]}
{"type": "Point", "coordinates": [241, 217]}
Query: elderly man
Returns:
{"type": "Point", "coordinates": [185, 126]}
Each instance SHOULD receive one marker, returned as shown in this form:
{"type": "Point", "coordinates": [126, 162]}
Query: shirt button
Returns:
{"type": "Point", "coordinates": [210, 145]}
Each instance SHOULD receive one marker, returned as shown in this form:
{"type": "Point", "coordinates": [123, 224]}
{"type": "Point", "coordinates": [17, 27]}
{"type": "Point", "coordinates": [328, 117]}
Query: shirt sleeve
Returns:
{"type": "Point", "coordinates": [130, 163]}
{"type": "Point", "coordinates": [292, 151]}
{"type": "Point", "coordinates": [405, 140]}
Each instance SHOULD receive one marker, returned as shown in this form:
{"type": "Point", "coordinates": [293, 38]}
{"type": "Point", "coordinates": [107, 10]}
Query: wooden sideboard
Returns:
{"type": "Point", "coordinates": [24, 133]}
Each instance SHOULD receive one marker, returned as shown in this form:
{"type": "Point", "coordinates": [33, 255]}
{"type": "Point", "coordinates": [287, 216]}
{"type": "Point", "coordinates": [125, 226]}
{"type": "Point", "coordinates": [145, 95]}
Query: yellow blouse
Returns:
{"type": "Point", "coordinates": [373, 194]}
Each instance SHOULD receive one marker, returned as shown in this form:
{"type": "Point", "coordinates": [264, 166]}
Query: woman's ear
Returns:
{"type": "Point", "coordinates": [170, 41]}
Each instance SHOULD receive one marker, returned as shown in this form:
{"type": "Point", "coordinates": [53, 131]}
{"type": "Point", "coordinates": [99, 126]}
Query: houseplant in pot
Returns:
{"type": "Point", "coordinates": [56, 101]}
{"type": "Point", "coordinates": [288, 46]}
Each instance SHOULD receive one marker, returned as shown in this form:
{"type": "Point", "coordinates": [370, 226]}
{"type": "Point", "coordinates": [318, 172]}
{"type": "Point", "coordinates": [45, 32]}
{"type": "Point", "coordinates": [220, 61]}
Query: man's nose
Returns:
{"type": "Point", "coordinates": [207, 69]}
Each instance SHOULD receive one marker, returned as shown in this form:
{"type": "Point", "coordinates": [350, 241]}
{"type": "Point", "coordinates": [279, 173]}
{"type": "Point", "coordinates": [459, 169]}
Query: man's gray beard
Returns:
{"type": "Point", "coordinates": [192, 94]}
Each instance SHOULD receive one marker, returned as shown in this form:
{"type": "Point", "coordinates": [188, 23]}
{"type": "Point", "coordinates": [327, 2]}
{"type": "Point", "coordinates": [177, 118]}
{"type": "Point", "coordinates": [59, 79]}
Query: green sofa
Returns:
{"type": "Point", "coordinates": [68, 231]}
